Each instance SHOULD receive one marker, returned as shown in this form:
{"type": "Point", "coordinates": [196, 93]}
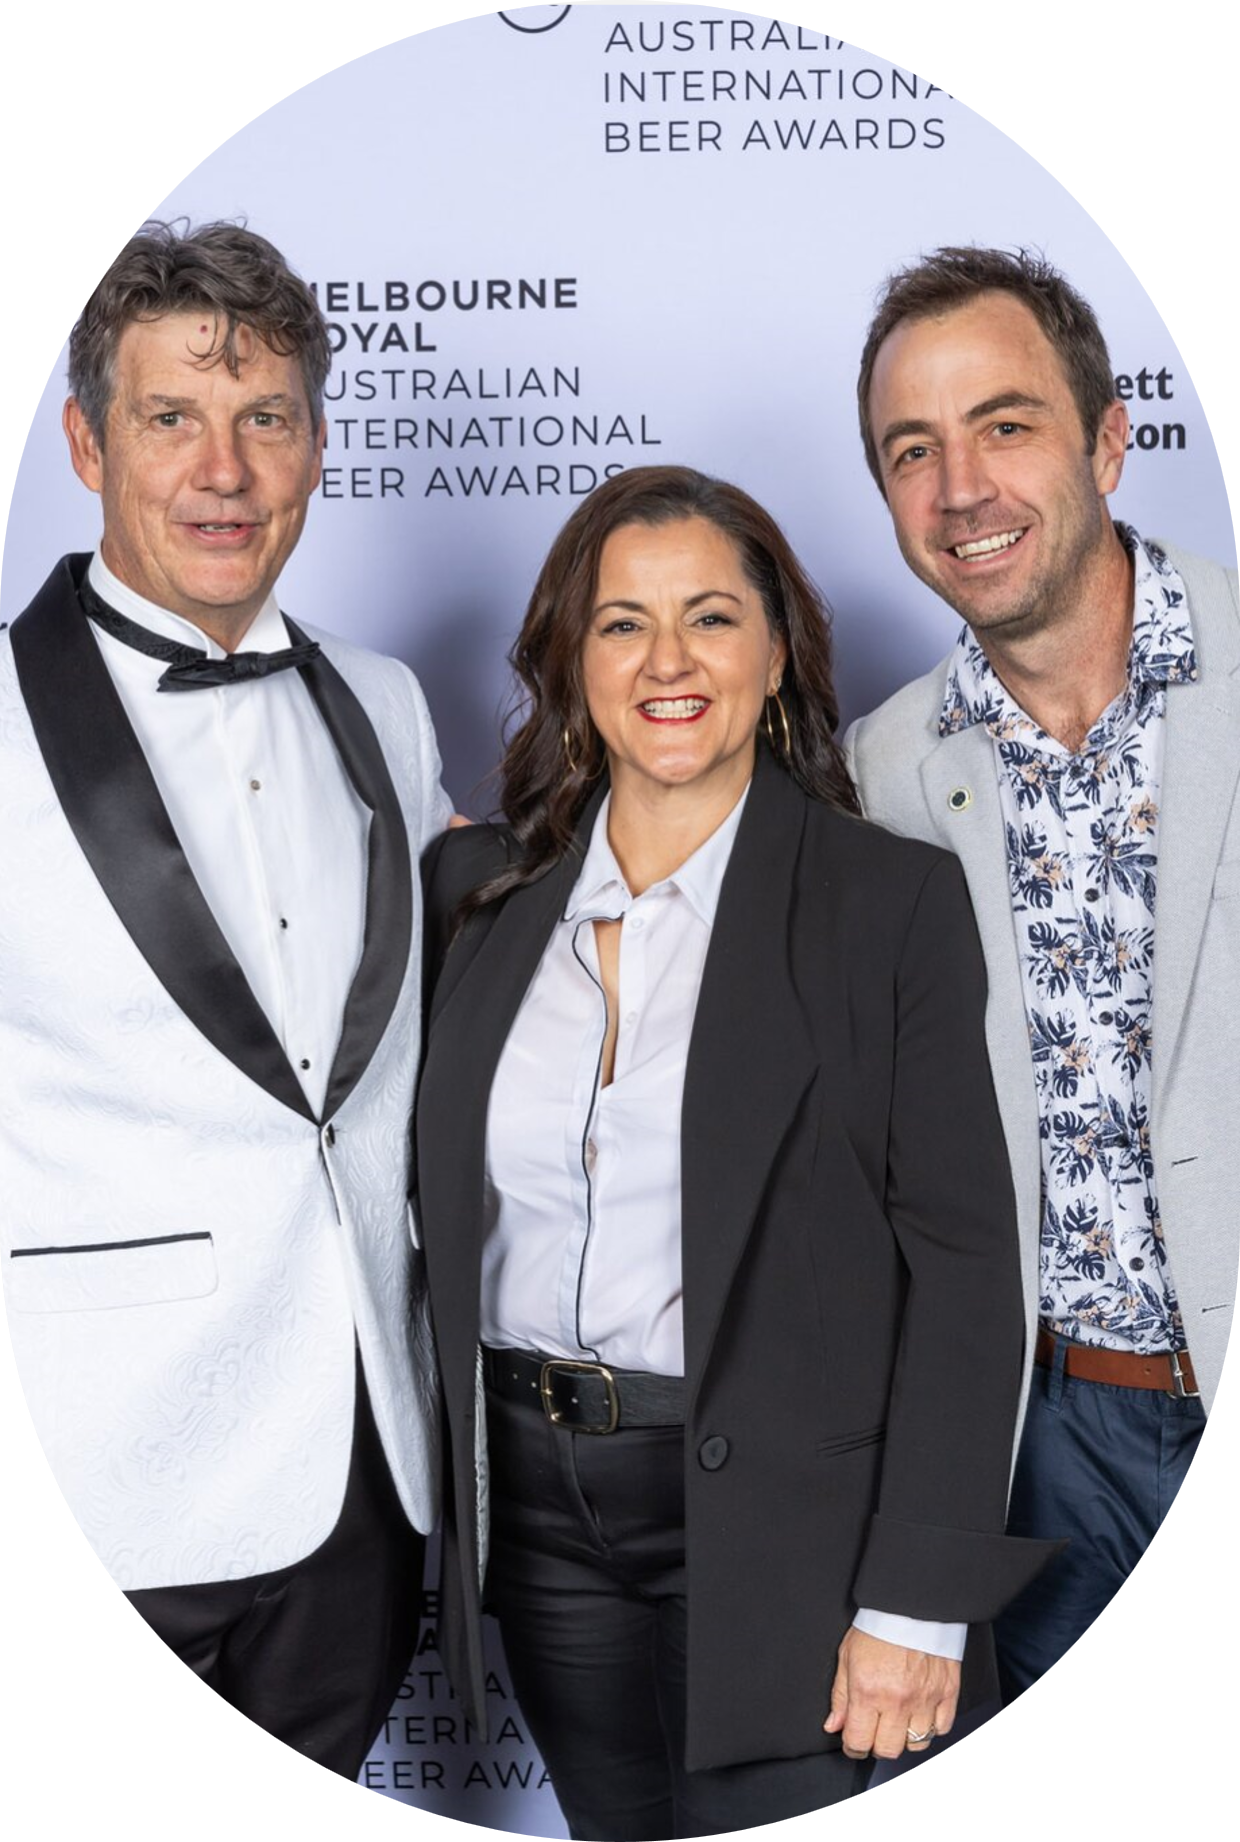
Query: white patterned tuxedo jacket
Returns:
{"type": "Point", "coordinates": [190, 1256]}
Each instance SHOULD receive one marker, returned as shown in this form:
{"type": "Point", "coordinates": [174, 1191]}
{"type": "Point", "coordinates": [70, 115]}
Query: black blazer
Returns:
{"type": "Point", "coordinates": [852, 1304]}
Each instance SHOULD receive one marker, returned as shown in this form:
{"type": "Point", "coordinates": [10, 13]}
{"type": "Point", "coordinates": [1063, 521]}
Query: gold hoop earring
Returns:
{"type": "Point", "coordinates": [574, 766]}
{"type": "Point", "coordinates": [774, 697]}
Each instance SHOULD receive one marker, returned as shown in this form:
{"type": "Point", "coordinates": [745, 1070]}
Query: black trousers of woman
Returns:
{"type": "Point", "coordinates": [587, 1578]}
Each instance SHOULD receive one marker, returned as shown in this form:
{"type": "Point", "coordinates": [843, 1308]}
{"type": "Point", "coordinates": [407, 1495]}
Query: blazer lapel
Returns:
{"type": "Point", "coordinates": [470, 1022]}
{"type": "Point", "coordinates": [110, 800]}
{"type": "Point", "coordinates": [506, 956]}
{"type": "Point", "coordinates": [1201, 767]}
{"type": "Point", "coordinates": [972, 827]}
{"type": "Point", "coordinates": [389, 877]}
{"type": "Point", "coordinates": [750, 1055]}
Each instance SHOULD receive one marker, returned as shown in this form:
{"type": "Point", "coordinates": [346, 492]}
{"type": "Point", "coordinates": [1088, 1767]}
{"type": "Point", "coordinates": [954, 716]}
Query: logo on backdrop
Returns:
{"type": "Point", "coordinates": [407, 419]}
{"type": "Point", "coordinates": [699, 98]}
{"type": "Point", "coordinates": [537, 18]}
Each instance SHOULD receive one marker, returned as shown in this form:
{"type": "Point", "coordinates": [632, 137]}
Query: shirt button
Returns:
{"type": "Point", "coordinates": [1091, 895]}
{"type": "Point", "coordinates": [255, 786]}
{"type": "Point", "coordinates": [1106, 1017]}
{"type": "Point", "coordinates": [637, 924]}
{"type": "Point", "coordinates": [283, 922]}
{"type": "Point", "coordinates": [304, 1063]}
{"type": "Point", "coordinates": [630, 1017]}
{"type": "Point", "coordinates": [713, 1452]}
{"type": "Point", "coordinates": [330, 1135]}
{"type": "Point", "coordinates": [1137, 1265]}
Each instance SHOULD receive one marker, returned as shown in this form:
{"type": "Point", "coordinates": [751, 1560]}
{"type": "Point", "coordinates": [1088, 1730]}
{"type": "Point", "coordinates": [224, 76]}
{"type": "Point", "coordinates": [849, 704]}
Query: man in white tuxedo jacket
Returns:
{"type": "Point", "coordinates": [210, 925]}
{"type": "Point", "coordinates": [1079, 750]}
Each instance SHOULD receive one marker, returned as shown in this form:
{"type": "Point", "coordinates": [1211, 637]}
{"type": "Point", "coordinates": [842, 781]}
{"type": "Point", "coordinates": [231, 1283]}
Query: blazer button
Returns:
{"type": "Point", "coordinates": [713, 1452]}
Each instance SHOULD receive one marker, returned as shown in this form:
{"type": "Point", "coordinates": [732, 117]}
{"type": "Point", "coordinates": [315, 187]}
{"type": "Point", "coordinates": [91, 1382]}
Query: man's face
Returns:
{"type": "Point", "coordinates": [998, 498]}
{"type": "Point", "coordinates": [204, 477]}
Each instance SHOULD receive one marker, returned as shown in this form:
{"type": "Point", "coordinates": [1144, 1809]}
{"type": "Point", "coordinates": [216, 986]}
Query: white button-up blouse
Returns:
{"type": "Point", "coordinates": [582, 1252]}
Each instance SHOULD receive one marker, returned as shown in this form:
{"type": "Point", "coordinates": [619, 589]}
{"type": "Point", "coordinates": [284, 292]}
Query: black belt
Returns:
{"type": "Point", "coordinates": [585, 1397]}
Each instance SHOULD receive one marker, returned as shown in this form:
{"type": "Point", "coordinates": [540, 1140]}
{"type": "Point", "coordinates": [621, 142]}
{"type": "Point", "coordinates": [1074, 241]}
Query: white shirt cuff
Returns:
{"type": "Point", "coordinates": [914, 1633]}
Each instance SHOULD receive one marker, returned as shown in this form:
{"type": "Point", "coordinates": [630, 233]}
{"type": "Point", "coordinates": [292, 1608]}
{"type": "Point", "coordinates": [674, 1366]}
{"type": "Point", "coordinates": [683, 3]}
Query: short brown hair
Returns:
{"type": "Point", "coordinates": [951, 278]}
{"type": "Point", "coordinates": [223, 268]}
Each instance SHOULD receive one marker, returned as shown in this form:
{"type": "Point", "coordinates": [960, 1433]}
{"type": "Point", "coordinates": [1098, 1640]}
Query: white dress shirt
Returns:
{"type": "Point", "coordinates": [267, 817]}
{"type": "Point", "coordinates": [582, 1251]}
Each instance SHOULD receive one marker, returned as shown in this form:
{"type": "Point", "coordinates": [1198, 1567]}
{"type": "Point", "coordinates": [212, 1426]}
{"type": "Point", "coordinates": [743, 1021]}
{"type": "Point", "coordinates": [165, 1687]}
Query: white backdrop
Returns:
{"type": "Point", "coordinates": [720, 296]}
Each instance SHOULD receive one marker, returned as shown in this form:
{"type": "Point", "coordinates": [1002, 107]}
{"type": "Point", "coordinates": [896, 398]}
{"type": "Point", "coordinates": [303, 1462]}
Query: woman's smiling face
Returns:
{"type": "Point", "coordinates": [679, 658]}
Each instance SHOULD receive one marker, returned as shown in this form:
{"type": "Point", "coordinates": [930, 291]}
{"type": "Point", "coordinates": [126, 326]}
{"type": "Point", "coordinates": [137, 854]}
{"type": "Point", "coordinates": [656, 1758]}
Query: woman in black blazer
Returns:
{"type": "Point", "coordinates": [757, 1144]}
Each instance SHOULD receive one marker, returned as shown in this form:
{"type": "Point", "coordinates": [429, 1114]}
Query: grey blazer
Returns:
{"type": "Point", "coordinates": [906, 771]}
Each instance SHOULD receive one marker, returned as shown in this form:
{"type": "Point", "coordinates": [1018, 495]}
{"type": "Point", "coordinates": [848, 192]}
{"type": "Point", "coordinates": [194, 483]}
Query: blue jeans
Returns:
{"type": "Point", "coordinates": [1101, 1466]}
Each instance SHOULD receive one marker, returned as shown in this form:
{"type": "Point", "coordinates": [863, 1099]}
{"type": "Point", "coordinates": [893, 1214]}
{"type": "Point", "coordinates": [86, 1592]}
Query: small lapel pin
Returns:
{"type": "Point", "coordinates": [960, 799]}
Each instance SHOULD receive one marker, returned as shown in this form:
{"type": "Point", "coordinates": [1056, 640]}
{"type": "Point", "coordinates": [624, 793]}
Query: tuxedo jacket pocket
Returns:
{"type": "Point", "coordinates": [103, 1275]}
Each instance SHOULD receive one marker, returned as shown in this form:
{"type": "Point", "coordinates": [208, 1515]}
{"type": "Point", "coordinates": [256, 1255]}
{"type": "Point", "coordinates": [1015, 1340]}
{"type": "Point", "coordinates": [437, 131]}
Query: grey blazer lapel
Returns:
{"type": "Point", "coordinates": [972, 827]}
{"type": "Point", "coordinates": [1201, 767]}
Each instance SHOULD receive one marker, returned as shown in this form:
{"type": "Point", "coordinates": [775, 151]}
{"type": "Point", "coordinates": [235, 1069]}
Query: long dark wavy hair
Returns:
{"type": "Point", "coordinates": [555, 755]}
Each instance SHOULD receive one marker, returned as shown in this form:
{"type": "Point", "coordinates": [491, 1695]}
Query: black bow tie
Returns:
{"type": "Point", "coordinates": [189, 669]}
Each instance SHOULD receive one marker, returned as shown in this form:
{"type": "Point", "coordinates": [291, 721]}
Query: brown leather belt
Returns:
{"type": "Point", "coordinates": [1170, 1374]}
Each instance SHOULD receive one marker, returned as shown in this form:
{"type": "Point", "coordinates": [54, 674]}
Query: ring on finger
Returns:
{"type": "Point", "coordinates": [919, 1739]}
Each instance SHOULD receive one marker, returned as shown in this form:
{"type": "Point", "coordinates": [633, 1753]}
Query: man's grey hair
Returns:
{"type": "Point", "coordinates": [222, 269]}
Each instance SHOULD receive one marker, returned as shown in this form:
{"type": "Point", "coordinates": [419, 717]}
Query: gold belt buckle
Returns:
{"type": "Point", "coordinates": [562, 1365]}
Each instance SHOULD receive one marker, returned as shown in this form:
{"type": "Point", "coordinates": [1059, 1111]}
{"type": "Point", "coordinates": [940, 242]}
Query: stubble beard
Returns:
{"type": "Point", "coordinates": [1052, 597]}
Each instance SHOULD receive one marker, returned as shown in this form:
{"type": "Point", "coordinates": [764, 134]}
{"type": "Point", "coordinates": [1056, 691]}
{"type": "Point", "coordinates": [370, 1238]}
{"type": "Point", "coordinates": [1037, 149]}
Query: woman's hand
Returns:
{"type": "Point", "coordinates": [883, 1695]}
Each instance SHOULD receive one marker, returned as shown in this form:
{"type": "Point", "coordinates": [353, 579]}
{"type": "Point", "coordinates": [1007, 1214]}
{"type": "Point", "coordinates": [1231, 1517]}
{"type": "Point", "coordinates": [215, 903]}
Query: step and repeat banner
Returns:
{"type": "Point", "coordinates": [555, 242]}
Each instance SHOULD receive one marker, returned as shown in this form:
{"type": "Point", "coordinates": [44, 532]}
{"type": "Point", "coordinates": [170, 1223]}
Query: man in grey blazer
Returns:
{"type": "Point", "coordinates": [1079, 749]}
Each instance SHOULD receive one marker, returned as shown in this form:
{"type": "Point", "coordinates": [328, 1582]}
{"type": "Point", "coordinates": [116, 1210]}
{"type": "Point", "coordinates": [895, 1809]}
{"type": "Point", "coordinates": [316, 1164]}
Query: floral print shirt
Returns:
{"type": "Point", "coordinates": [1082, 858]}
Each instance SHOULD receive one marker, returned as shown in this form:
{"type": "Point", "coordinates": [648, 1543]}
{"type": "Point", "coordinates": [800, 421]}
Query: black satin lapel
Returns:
{"type": "Point", "coordinates": [389, 877]}
{"type": "Point", "coordinates": [750, 1055]}
{"type": "Point", "coordinates": [112, 804]}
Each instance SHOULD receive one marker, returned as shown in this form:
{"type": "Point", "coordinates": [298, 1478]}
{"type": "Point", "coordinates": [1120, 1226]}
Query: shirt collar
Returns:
{"type": "Point", "coordinates": [1161, 652]}
{"type": "Point", "coordinates": [266, 633]}
{"type": "Point", "coordinates": [1162, 633]}
{"type": "Point", "coordinates": [601, 889]}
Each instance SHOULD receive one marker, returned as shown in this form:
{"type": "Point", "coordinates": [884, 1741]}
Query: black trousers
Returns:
{"type": "Point", "coordinates": [587, 1578]}
{"type": "Point", "coordinates": [315, 1652]}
